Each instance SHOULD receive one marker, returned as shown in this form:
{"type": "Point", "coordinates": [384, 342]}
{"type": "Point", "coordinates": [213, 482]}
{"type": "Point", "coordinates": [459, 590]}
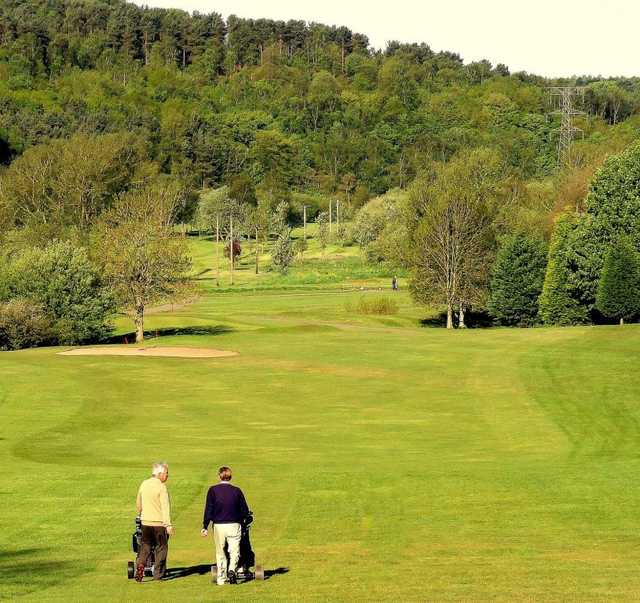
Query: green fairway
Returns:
{"type": "Point", "coordinates": [337, 267]}
{"type": "Point", "coordinates": [382, 460]}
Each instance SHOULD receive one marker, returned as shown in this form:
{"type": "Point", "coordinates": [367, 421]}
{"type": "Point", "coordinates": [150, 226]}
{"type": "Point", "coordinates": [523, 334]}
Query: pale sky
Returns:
{"type": "Point", "coordinates": [546, 37]}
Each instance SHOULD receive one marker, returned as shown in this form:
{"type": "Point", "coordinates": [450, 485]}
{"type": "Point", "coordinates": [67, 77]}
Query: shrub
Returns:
{"type": "Point", "coordinates": [282, 254]}
{"type": "Point", "coordinates": [343, 235]}
{"type": "Point", "coordinates": [322, 220]}
{"type": "Point", "coordinates": [300, 246]}
{"type": "Point", "coordinates": [382, 306]}
{"type": "Point", "coordinates": [63, 282]}
{"type": "Point", "coordinates": [369, 222]}
{"type": "Point", "coordinates": [280, 218]}
{"type": "Point", "coordinates": [23, 324]}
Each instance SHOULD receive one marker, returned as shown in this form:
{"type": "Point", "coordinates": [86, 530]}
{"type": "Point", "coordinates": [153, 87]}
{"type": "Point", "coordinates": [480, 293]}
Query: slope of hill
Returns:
{"type": "Point", "coordinates": [292, 105]}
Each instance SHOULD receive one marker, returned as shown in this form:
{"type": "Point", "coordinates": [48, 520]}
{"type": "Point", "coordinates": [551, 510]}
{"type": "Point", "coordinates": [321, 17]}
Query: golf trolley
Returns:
{"type": "Point", "coordinates": [246, 561]}
{"type": "Point", "coordinates": [136, 543]}
{"type": "Point", "coordinates": [247, 558]}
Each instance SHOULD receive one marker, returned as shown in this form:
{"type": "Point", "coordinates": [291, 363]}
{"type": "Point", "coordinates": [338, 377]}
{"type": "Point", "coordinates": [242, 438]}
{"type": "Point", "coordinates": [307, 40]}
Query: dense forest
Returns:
{"type": "Point", "coordinates": [102, 101]}
{"type": "Point", "coordinates": [210, 98]}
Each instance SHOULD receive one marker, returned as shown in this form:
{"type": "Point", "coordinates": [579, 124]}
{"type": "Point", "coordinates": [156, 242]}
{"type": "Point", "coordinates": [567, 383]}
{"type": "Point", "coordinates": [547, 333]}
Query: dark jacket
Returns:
{"type": "Point", "coordinates": [225, 504]}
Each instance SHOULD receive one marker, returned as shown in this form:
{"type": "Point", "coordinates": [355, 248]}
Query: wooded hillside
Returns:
{"type": "Point", "coordinates": [291, 104]}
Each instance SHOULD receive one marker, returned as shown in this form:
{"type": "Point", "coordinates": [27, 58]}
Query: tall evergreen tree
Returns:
{"type": "Point", "coordinates": [619, 289]}
{"type": "Point", "coordinates": [559, 304]}
{"type": "Point", "coordinates": [613, 210]}
{"type": "Point", "coordinates": [516, 280]}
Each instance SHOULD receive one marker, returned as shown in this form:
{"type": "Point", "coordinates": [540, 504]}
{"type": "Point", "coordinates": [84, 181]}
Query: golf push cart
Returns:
{"type": "Point", "coordinates": [136, 544]}
{"type": "Point", "coordinates": [245, 563]}
{"type": "Point", "coordinates": [247, 558]}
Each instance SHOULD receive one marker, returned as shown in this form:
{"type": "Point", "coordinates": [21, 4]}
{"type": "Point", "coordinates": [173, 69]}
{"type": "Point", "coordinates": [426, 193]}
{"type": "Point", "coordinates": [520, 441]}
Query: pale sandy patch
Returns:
{"type": "Point", "coordinates": [165, 352]}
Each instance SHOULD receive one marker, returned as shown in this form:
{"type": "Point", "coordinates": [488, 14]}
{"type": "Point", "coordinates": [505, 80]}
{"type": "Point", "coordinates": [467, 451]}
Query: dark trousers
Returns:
{"type": "Point", "coordinates": [154, 536]}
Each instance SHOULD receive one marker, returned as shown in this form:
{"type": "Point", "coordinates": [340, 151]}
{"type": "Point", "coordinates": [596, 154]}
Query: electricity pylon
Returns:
{"type": "Point", "coordinates": [565, 95]}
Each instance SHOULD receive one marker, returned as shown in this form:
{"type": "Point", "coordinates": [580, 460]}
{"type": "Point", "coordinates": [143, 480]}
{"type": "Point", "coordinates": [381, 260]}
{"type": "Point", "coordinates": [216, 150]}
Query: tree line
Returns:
{"type": "Point", "coordinates": [288, 104]}
{"type": "Point", "coordinates": [448, 169]}
{"type": "Point", "coordinates": [464, 232]}
{"type": "Point", "coordinates": [89, 227]}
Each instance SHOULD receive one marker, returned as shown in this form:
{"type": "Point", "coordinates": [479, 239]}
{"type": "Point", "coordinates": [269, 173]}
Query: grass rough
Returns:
{"type": "Point", "coordinates": [383, 461]}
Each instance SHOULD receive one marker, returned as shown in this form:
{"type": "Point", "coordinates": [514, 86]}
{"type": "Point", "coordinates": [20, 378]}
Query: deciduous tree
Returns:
{"type": "Point", "coordinates": [452, 240]}
{"type": "Point", "coordinates": [142, 257]}
{"type": "Point", "coordinates": [60, 280]}
{"type": "Point", "coordinates": [322, 232]}
{"type": "Point", "coordinates": [282, 254]}
{"type": "Point", "coordinates": [69, 183]}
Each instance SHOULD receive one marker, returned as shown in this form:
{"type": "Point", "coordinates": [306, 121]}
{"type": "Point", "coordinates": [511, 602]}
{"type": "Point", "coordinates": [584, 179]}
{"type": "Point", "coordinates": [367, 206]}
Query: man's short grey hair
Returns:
{"type": "Point", "coordinates": [159, 468]}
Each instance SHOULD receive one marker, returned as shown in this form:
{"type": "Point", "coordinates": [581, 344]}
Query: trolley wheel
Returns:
{"type": "Point", "coordinates": [131, 570]}
{"type": "Point", "coordinates": [259, 572]}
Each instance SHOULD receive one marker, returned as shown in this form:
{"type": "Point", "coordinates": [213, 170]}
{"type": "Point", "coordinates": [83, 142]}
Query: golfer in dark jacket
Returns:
{"type": "Point", "coordinates": [226, 508]}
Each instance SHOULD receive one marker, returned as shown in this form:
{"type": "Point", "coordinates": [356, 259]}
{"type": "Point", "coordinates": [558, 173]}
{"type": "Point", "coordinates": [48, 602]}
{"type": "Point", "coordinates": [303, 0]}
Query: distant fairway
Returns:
{"type": "Point", "coordinates": [383, 461]}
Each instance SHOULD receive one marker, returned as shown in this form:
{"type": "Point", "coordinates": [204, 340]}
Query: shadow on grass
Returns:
{"type": "Point", "coordinates": [26, 570]}
{"type": "Point", "coordinates": [268, 574]}
{"type": "Point", "coordinates": [248, 267]}
{"type": "Point", "coordinates": [199, 274]}
{"type": "Point", "coordinates": [183, 572]}
{"type": "Point", "coordinates": [169, 332]}
{"type": "Point", "coordinates": [479, 319]}
{"type": "Point", "coordinates": [4, 555]}
{"type": "Point", "coordinates": [275, 572]}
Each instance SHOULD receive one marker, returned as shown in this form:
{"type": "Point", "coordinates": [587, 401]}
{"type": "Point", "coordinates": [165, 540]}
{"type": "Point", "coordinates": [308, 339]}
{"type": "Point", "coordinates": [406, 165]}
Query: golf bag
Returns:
{"type": "Point", "coordinates": [247, 558]}
{"type": "Point", "coordinates": [136, 544]}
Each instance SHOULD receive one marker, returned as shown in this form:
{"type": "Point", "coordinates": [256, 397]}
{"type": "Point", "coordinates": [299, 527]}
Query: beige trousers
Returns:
{"type": "Point", "coordinates": [228, 533]}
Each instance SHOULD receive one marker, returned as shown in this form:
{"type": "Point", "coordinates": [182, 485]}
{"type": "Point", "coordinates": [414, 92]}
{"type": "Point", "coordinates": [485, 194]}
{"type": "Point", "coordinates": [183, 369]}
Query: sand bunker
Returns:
{"type": "Point", "coordinates": [167, 352]}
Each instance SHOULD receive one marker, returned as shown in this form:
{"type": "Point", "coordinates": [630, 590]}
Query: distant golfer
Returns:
{"type": "Point", "coordinates": [154, 509]}
{"type": "Point", "coordinates": [226, 508]}
{"type": "Point", "coordinates": [394, 283]}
